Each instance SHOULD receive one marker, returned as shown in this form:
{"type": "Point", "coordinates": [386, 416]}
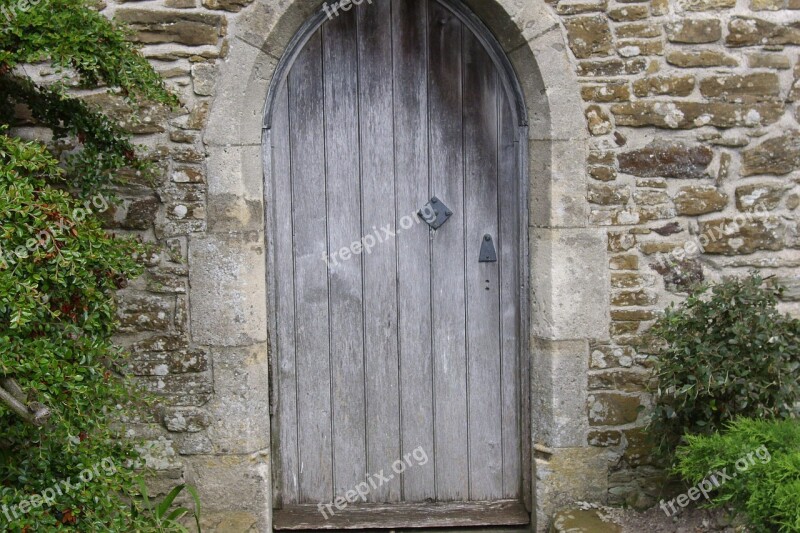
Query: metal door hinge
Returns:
{"type": "Point", "coordinates": [435, 213]}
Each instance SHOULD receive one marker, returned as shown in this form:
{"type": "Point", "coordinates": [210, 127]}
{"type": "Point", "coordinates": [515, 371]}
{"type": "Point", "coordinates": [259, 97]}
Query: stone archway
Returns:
{"type": "Point", "coordinates": [228, 289]}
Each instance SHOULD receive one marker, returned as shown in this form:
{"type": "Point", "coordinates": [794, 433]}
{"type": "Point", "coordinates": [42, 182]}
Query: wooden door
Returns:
{"type": "Point", "coordinates": [396, 342]}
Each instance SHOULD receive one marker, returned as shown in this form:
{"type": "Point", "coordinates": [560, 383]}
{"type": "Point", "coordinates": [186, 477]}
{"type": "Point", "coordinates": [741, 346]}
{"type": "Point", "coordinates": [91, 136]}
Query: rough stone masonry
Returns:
{"type": "Point", "coordinates": [690, 118]}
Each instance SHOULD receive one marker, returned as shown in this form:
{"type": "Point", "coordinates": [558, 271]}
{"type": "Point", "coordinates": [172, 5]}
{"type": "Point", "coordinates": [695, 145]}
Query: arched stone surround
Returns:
{"type": "Point", "coordinates": [228, 291]}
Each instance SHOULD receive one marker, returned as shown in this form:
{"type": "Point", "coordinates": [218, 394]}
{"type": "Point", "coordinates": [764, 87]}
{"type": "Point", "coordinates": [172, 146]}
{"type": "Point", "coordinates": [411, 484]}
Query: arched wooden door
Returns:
{"type": "Point", "coordinates": [397, 238]}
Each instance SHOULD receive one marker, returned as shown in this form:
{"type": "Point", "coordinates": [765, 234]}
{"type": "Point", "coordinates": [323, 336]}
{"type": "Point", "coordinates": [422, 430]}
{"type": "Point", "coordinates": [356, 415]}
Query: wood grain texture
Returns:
{"type": "Point", "coordinates": [285, 377]}
{"type": "Point", "coordinates": [413, 343]}
{"type": "Point", "coordinates": [409, 30]}
{"type": "Point", "coordinates": [380, 264]}
{"type": "Point", "coordinates": [340, 62]}
{"type": "Point", "coordinates": [448, 289]}
{"type": "Point", "coordinates": [416, 515]}
{"type": "Point", "coordinates": [311, 275]}
{"type": "Point", "coordinates": [483, 284]}
{"type": "Point", "coordinates": [510, 290]}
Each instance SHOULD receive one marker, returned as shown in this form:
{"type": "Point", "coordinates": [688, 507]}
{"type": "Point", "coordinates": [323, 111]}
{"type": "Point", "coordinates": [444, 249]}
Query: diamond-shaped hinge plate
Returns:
{"type": "Point", "coordinates": [435, 213]}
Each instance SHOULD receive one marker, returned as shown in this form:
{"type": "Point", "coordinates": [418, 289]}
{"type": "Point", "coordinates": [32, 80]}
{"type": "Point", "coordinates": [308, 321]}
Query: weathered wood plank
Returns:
{"type": "Point", "coordinates": [483, 290]}
{"type": "Point", "coordinates": [340, 65]}
{"type": "Point", "coordinates": [282, 243]}
{"type": "Point", "coordinates": [510, 293]}
{"type": "Point", "coordinates": [413, 243]}
{"type": "Point", "coordinates": [311, 274]}
{"type": "Point", "coordinates": [404, 346]}
{"type": "Point", "coordinates": [390, 516]}
{"type": "Point", "coordinates": [449, 306]}
{"type": "Point", "coordinates": [380, 264]}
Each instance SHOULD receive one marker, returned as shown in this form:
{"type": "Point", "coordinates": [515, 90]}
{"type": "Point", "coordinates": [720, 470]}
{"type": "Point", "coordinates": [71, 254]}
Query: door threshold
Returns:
{"type": "Point", "coordinates": [401, 515]}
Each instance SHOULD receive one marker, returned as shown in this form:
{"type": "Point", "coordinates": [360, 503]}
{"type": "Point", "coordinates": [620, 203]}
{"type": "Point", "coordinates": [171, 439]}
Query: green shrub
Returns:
{"type": "Point", "coordinates": [767, 488]}
{"type": "Point", "coordinates": [729, 353]}
{"type": "Point", "coordinates": [63, 461]}
{"type": "Point", "coordinates": [58, 271]}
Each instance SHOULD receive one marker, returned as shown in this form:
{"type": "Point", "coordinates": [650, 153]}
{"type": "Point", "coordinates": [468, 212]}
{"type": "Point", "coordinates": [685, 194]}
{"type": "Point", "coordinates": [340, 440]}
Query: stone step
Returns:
{"type": "Point", "coordinates": [582, 521]}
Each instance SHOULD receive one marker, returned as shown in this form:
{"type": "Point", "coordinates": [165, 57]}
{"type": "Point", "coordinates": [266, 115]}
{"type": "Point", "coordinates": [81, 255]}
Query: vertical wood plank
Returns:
{"type": "Point", "coordinates": [510, 297]}
{"type": "Point", "coordinates": [311, 274]}
{"type": "Point", "coordinates": [449, 308]}
{"type": "Point", "coordinates": [286, 378]}
{"type": "Point", "coordinates": [483, 290]}
{"type": "Point", "coordinates": [340, 65]}
{"type": "Point", "coordinates": [409, 30]}
{"type": "Point", "coordinates": [380, 263]}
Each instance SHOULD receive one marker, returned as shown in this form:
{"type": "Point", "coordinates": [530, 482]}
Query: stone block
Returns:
{"type": "Point", "coordinates": [570, 283]}
{"type": "Point", "coordinates": [706, 5]}
{"type": "Point", "coordinates": [664, 85]}
{"type": "Point", "coordinates": [759, 196]}
{"type": "Point", "coordinates": [228, 293]}
{"type": "Point", "coordinates": [701, 59]}
{"type": "Point", "coordinates": [689, 115]}
{"type": "Point", "coordinates": [613, 91]}
{"type": "Point", "coordinates": [694, 31]}
{"type": "Point", "coordinates": [568, 475]}
{"type": "Point", "coordinates": [612, 67]}
{"type": "Point", "coordinates": [613, 409]}
{"type": "Point", "coordinates": [608, 194]}
{"type": "Point", "coordinates": [757, 87]}
{"type": "Point", "coordinates": [777, 155]}
{"type": "Point", "coordinates": [699, 199]}
{"type": "Point", "coordinates": [668, 160]}
{"type": "Point", "coordinates": [743, 235]}
{"type": "Point", "coordinates": [559, 376]}
{"type": "Point", "coordinates": [583, 521]}
{"type": "Point", "coordinates": [589, 36]}
{"type": "Point", "coordinates": [557, 170]}
{"type": "Point", "coordinates": [629, 13]}
{"type": "Point", "coordinates": [236, 490]}
{"type": "Point", "coordinates": [751, 31]}
{"type": "Point", "coordinates": [178, 27]}
{"type": "Point", "coordinates": [239, 410]}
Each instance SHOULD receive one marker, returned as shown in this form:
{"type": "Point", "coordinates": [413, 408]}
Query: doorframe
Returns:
{"type": "Point", "coordinates": [513, 89]}
{"type": "Point", "coordinates": [568, 285]}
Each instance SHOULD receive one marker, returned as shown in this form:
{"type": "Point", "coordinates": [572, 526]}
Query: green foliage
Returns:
{"type": "Point", "coordinates": [730, 353]}
{"type": "Point", "coordinates": [158, 512]}
{"type": "Point", "coordinates": [767, 489]}
{"type": "Point", "coordinates": [88, 51]}
{"type": "Point", "coordinates": [58, 273]}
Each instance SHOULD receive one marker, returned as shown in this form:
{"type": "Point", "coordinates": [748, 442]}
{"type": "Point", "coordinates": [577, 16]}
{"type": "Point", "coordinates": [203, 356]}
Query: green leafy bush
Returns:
{"type": "Point", "coordinates": [86, 50]}
{"type": "Point", "coordinates": [767, 489]}
{"type": "Point", "coordinates": [729, 353]}
{"type": "Point", "coordinates": [58, 271]}
{"type": "Point", "coordinates": [63, 461]}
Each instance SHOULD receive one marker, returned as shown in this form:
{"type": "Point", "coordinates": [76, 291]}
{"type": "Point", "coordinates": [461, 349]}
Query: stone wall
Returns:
{"type": "Point", "coordinates": [690, 110]}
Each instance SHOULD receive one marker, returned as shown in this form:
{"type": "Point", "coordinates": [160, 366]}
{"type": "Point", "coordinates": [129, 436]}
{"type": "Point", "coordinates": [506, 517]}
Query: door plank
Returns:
{"type": "Point", "coordinates": [483, 290]}
{"type": "Point", "coordinates": [401, 346]}
{"type": "Point", "coordinates": [449, 308]}
{"type": "Point", "coordinates": [413, 244]}
{"type": "Point", "coordinates": [510, 292]}
{"type": "Point", "coordinates": [311, 274]}
{"type": "Point", "coordinates": [286, 376]}
{"type": "Point", "coordinates": [412, 515]}
{"type": "Point", "coordinates": [380, 264]}
{"type": "Point", "coordinates": [340, 65]}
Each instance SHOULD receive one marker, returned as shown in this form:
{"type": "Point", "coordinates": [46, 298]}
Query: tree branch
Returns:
{"type": "Point", "coordinates": [12, 395]}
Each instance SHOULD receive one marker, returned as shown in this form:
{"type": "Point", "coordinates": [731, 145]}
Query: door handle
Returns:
{"type": "Point", "coordinates": [488, 253]}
